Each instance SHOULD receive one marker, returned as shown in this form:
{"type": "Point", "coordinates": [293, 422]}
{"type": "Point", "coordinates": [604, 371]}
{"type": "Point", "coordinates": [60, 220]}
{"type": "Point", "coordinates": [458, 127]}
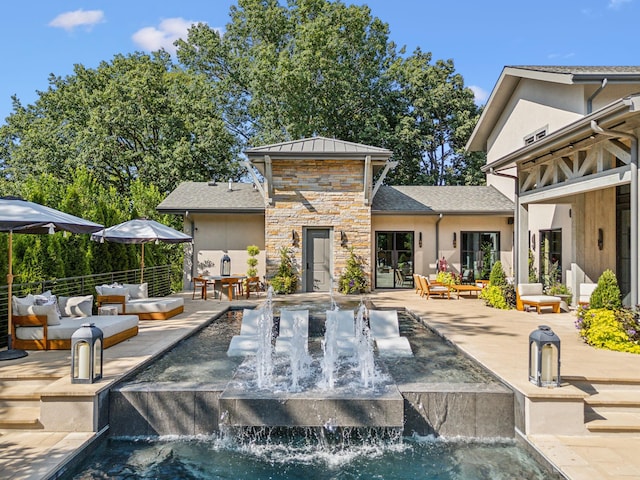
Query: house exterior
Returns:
{"type": "Point", "coordinates": [322, 199]}
{"type": "Point", "coordinates": [562, 143]}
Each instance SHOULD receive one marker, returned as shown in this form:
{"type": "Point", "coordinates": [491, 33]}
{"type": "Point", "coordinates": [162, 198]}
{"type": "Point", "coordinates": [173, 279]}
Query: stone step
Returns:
{"type": "Point", "coordinates": [598, 421]}
{"type": "Point", "coordinates": [20, 392]}
{"type": "Point", "coordinates": [20, 418]}
{"type": "Point", "coordinates": [614, 398]}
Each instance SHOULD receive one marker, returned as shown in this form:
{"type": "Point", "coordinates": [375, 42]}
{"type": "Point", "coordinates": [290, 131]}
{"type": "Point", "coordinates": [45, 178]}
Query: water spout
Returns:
{"type": "Point", "coordinates": [264, 353]}
{"type": "Point", "coordinates": [364, 349]}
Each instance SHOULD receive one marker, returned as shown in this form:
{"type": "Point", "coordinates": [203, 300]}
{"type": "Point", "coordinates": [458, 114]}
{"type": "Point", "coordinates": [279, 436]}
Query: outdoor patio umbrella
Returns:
{"type": "Point", "coordinates": [141, 230]}
{"type": "Point", "coordinates": [19, 216]}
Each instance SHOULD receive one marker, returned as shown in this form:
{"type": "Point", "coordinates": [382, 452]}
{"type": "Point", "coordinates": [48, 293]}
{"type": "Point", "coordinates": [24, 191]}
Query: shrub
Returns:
{"type": "Point", "coordinates": [252, 261]}
{"type": "Point", "coordinates": [447, 278]}
{"type": "Point", "coordinates": [607, 293]}
{"type": "Point", "coordinates": [353, 279]}
{"type": "Point", "coordinates": [560, 289]}
{"type": "Point", "coordinates": [286, 279]}
{"type": "Point", "coordinates": [502, 297]}
{"type": "Point", "coordinates": [616, 330]}
{"type": "Point", "coordinates": [497, 277]}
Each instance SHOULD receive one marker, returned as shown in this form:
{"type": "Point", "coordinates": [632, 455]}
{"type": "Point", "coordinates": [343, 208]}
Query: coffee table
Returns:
{"type": "Point", "coordinates": [459, 289]}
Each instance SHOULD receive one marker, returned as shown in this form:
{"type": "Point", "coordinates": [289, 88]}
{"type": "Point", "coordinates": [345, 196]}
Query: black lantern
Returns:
{"type": "Point", "coordinates": [225, 266]}
{"type": "Point", "coordinates": [544, 357]}
{"type": "Point", "coordinates": [86, 354]}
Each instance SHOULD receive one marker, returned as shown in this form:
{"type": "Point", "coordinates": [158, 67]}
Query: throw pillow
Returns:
{"type": "Point", "coordinates": [27, 300]}
{"type": "Point", "coordinates": [138, 290]}
{"type": "Point", "coordinates": [116, 291]}
{"type": "Point", "coordinates": [49, 310]}
{"type": "Point", "coordinates": [76, 306]}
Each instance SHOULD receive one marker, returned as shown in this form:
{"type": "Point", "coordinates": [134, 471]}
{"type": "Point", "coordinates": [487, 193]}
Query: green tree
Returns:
{"type": "Point", "coordinates": [319, 67]}
{"type": "Point", "coordinates": [137, 117]}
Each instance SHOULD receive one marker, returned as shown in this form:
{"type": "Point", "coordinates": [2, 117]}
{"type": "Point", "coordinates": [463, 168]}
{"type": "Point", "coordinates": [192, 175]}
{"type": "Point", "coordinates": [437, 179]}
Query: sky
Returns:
{"type": "Point", "coordinates": [43, 37]}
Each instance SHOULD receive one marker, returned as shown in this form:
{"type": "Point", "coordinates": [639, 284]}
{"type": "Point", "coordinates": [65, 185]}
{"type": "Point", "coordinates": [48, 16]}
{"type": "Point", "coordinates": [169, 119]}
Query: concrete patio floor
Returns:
{"type": "Point", "coordinates": [497, 339]}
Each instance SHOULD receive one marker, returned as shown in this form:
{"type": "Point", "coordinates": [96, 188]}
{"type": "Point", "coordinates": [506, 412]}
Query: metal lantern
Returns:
{"type": "Point", "coordinates": [544, 357]}
{"type": "Point", "coordinates": [225, 266]}
{"type": "Point", "coordinates": [86, 354]}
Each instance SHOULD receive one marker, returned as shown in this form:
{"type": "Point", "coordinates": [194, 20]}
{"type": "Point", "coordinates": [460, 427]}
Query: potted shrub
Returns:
{"type": "Point", "coordinates": [353, 279]}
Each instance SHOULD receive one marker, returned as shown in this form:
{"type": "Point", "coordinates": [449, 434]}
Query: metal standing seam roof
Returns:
{"type": "Point", "coordinates": [318, 147]}
{"type": "Point", "coordinates": [201, 197]}
{"type": "Point", "coordinates": [461, 200]}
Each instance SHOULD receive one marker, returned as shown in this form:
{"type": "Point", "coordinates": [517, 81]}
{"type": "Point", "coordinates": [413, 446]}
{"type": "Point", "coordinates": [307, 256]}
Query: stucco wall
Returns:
{"type": "Point", "coordinates": [426, 256]}
{"type": "Point", "coordinates": [216, 234]}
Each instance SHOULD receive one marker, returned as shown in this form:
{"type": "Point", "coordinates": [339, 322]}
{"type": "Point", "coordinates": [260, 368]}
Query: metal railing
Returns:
{"type": "Point", "coordinates": [158, 279]}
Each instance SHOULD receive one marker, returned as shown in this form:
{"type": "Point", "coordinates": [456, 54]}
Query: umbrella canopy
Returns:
{"type": "Point", "coordinates": [141, 230]}
{"type": "Point", "coordinates": [20, 216]}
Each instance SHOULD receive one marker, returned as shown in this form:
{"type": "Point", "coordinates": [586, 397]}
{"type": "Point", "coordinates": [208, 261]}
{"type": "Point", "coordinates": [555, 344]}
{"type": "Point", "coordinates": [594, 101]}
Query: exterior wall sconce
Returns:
{"type": "Point", "coordinates": [544, 357]}
{"type": "Point", "coordinates": [455, 240]}
{"type": "Point", "coordinates": [86, 354]}
{"type": "Point", "coordinates": [225, 265]}
{"type": "Point", "coordinates": [600, 239]}
{"type": "Point", "coordinates": [294, 238]}
{"type": "Point", "coordinates": [420, 239]}
{"type": "Point", "coordinates": [343, 238]}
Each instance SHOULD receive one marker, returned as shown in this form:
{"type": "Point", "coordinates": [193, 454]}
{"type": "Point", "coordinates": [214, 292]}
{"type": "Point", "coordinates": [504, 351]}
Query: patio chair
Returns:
{"type": "Point", "coordinates": [585, 291]}
{"type": "Point", "coordinates": [416, 284]}
{"type": "Point", "coordinates": [346, 331]}
{"type": "Point", "coordinates": [247, 342]}
{"type": "Point", "coordinates": [385, 331]}
{"type": "Point", "coordinates": [252, 284]}
{"type": "Point", "coordinates": [532, 295]}
{"type": "Point", "coordinates": [200, 285]}
{"type": "Point", "coordinates": [286, 335]}
{"type": "Point", "coordinates": [438, 289]}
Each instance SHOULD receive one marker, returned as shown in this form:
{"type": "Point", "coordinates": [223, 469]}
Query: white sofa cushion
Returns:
{"type": "Point", "coordinates": [137, 290]}
{"type": "Point", "coordinates": [586, 289]}
{"type": "Point", "coordinates": [76, 306]}
{"type": "Point", "coordinates": [50, 311]}
{"type": "Point", "coordinates": [109, 324]}
{"type": "Point", "coordinates": [154, 304]}
{"type": "Point", "coordinates": [529, 289]}
{"type": "Point", "coordinates": [540, 298]}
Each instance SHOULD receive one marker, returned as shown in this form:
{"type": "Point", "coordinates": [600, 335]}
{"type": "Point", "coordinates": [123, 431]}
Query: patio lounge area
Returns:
{"type": "Point", "coordinates": [497, 339]}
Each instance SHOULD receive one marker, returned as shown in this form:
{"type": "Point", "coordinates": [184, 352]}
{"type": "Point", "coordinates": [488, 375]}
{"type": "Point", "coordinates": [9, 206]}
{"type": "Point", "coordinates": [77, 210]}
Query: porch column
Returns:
{"type": "Point", "coordinates": [635, 227]}
{"type": "Point", "coordinates": [521, 239]}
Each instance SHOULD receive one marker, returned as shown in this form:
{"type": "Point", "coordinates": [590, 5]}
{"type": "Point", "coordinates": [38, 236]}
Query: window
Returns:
{"type": "Point", "coordinates": [480, 250]}
{"type": "Point", "coordinates": [550, 256]}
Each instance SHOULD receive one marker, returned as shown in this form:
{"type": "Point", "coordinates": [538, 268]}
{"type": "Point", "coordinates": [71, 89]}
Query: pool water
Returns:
{"type": "Point", "coordinates": [219, 458]}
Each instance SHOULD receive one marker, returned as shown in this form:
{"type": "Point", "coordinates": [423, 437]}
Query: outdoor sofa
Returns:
{"type": "Point", "coordinates": [134, 299]}
{"type": "Point", "coordinates": [50, 326]}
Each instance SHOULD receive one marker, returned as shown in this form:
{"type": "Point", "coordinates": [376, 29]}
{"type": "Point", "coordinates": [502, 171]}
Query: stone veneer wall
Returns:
{"type": "Point", "coordinates": [317, 193]}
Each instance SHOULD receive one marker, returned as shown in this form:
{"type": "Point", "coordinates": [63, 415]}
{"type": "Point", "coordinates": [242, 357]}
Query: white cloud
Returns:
{"type": "Point", "coordinates": [616, 4]}
{"type": "Point", "coordinates": [169, 30]}
{"type": "Point", "coordinates": [480, 94]}
{"type": "Point", "coordinates": [77, 18]}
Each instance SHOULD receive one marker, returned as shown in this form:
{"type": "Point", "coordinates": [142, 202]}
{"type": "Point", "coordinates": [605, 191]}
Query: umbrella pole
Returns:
{"type": "Point", "coordinates": [142, 265]}
{"type": "Point", "coordinates": [10, 353]}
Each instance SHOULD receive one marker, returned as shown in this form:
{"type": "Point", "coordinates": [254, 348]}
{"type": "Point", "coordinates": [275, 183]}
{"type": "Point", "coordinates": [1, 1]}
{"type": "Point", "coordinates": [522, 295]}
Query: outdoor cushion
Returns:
{"type": "Point", "coordinates": [153, 305]}
{"type": "Point", "coordinates": [109, 324]}
{"type": "Point", "coordinates": [137, 290]}
{"type": "Point", "coordinates": [530, 289]}
{"type": "Point", "coordinates": [586, 289]}
{"type": "Point", "coordinates": [49, 310]}
{"type": "Point", "coordinates": [26, 300]}
{"type": "Point", "coordinates": [540, 298]}
{"type": "Point", "coordinates": [76, 306]}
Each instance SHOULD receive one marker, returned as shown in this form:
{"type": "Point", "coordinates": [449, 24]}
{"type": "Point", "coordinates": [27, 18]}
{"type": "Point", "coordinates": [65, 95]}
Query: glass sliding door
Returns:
{"type": "Point", "coordinates": [479, 251]}
{"type": "Point", "coordinates": [394, 260]}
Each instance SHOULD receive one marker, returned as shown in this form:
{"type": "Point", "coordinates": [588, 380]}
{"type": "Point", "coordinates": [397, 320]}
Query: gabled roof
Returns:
{"type": "Point", "coordinates": [319, 148]}
{"type": "Point", "coordinates": [211, 197]}
{"type": "Point", "coordinates": [567, 75]}
{"type": "Point", "coordinates": [426, 200]}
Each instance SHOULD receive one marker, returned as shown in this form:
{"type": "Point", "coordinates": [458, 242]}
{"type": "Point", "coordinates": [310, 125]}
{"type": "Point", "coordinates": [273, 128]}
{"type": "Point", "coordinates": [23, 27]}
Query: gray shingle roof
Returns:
{"type": "Point", "coordinates": [318, 147]}
{"type": "Point", "coordinates": [583, 70]}
{"type": "Point", "coordinates": [202, 197]}
{"type": "Point", "coordinates": [205, 197]}
{"type": "Point", "coordinates": [471, 200]}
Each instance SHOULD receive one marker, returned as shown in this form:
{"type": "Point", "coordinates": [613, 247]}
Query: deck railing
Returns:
{"type": "Point", "coordinates": [158, 278]}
